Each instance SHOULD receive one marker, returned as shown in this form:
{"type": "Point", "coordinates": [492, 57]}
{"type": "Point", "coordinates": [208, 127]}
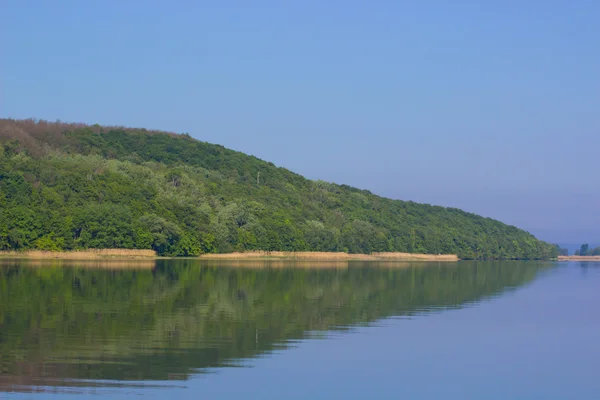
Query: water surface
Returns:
{"type": "Point", "coordinates": [315, 330]}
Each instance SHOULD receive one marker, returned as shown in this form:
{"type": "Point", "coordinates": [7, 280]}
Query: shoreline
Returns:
{"type": "Point", "coordinates": [123, 254]}
{"type": "Point", "coordinates": [90, 254]}
{"type": "Point", "coordinates": [579, 258]}
{"type": "Point", "coordinates": [329, 256]}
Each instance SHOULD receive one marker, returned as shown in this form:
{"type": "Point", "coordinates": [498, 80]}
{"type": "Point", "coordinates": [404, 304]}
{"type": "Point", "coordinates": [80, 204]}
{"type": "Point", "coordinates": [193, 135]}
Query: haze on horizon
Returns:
{"type": "Point", "coordinates": [492, 108]}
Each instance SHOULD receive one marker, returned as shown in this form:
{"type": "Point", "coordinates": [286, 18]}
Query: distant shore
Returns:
{"type": "Point", "coordinates": [578, 258]}
{"type": "Point", "coordinates": [124, 254]}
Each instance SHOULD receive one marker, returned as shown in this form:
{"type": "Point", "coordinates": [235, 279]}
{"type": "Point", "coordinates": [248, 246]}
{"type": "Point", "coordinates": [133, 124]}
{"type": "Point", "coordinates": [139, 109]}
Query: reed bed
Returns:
{"type": "Point", "coordinates": [90, 254]}
{"type": "Point", "coordinates": [325, 256]}
{"type": "Point", "coordinates": [124, 258]}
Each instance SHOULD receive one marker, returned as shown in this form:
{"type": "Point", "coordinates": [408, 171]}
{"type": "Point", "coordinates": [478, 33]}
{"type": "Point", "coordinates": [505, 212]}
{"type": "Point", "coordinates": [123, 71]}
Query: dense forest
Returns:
{"type": "Point", "coordinates": [182, 316]}
{"type": "Point", "coordinates": [72, 186]}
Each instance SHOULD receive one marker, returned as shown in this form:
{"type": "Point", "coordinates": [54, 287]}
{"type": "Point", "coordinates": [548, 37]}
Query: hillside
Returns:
{"type": "Point", "coordinates": [72, 186]}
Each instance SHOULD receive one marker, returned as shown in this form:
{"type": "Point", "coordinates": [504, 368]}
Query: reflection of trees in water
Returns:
{"type": "Point", "coordinates": [163, 323]}
{"type": "Point", "coordinates": [585, 265]}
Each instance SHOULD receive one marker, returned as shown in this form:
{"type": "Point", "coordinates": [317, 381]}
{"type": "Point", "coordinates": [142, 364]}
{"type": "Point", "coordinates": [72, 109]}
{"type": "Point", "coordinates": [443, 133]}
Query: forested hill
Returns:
{"type": "Point", "coordinates": [72, 186]}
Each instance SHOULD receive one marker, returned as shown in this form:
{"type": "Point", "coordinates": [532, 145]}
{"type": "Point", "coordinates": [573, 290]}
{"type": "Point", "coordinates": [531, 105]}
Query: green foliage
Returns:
{"type": "Point", "coordinates": [562, 251]}
{"type": "Point", "coordinates": [49, 243]}
{"type": "Point", "coordinates": [73, 187]}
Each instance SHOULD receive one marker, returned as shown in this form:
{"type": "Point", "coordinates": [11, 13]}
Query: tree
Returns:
{"type": "Point", "coordinates": [562, 251]}
{"type": "Point", "coordinates": [162, 235]}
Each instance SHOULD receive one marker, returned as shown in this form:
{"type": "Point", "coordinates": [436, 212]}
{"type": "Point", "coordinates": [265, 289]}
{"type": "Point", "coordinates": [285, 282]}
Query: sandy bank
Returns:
{"type": "Point", "coordinates": [324, 256]}
{"type": "Point", "coordinates": [578, 258]}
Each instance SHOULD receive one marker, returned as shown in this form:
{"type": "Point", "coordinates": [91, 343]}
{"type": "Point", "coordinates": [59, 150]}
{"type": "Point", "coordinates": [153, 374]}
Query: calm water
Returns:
{"type": "Point", "coordinates": [472, 330]}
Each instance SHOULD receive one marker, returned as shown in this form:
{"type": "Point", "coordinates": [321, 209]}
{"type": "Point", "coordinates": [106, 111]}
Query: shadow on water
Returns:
{"type": "Point", "coordinates": [67, 324]}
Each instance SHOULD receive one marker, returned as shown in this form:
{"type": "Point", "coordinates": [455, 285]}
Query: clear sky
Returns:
{"type": "Point", "coordinates": [489, 106]}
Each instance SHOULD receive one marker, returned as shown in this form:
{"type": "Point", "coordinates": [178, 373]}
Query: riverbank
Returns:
{"type": "Point", "coordinates": [331, 256]}
{"type": "Point", "coordinates": [90, 254]}
{"type": "Point", "coordinates": [579, 258]}
{"type": "Point", "coordinates": [123, 254]}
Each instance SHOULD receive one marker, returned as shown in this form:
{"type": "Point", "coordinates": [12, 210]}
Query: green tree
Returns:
{"type": "Point", "coordinates": [162, 234]}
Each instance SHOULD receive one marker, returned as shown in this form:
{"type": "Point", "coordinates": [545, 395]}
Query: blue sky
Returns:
{"type": "Point", "coordinates": [493, 107]}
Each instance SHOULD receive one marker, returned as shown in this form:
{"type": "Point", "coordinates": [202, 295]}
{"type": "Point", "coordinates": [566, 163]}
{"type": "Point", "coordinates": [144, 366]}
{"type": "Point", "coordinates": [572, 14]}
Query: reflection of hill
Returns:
{"type": "Point", "coordinates": [165, 323]}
